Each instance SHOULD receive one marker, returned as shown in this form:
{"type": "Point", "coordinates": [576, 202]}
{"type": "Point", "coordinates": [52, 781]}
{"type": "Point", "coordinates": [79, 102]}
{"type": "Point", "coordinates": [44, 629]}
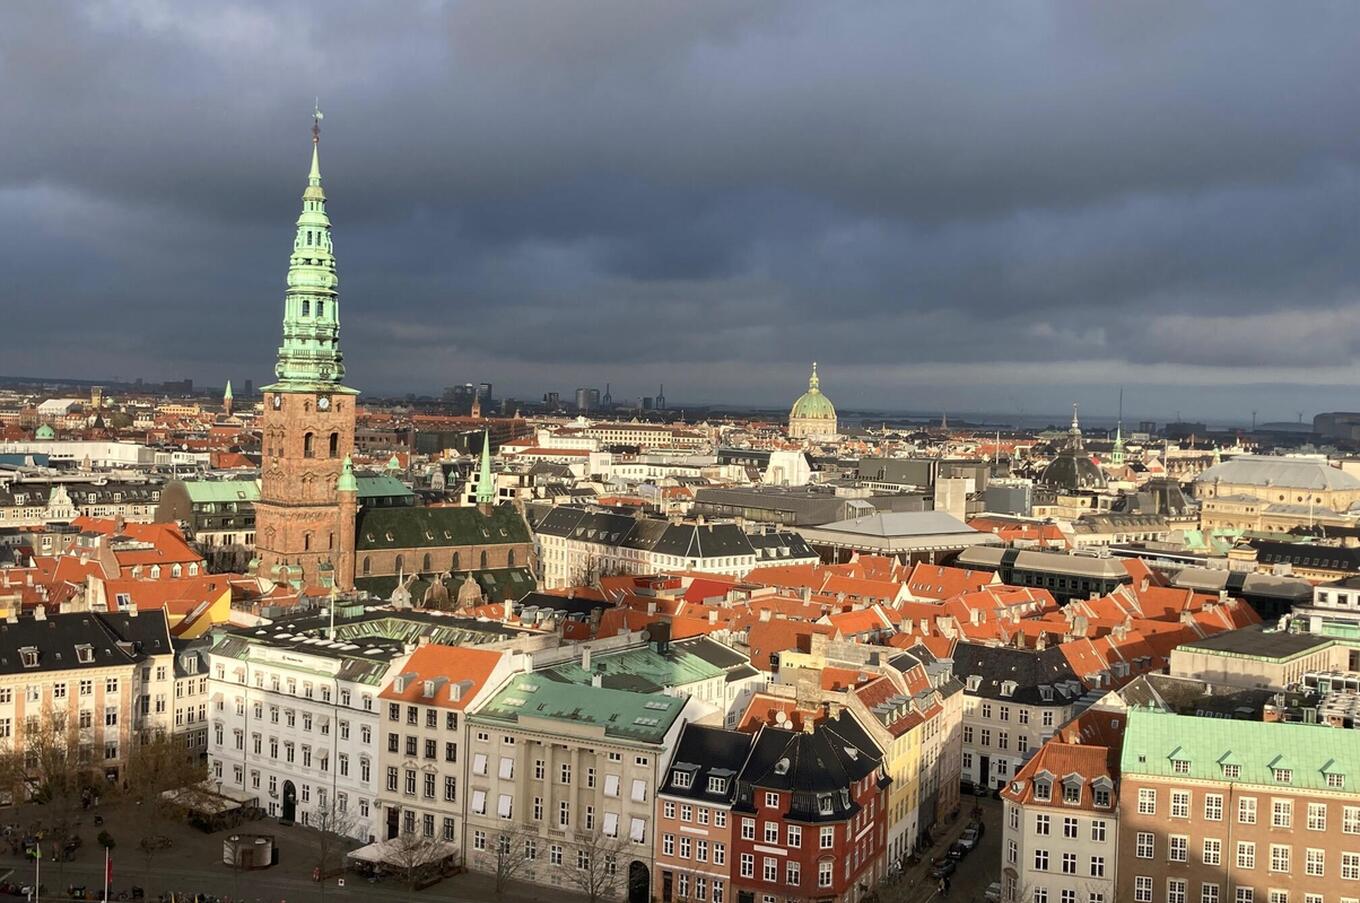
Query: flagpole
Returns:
{"type": "Point", "coordinates": [37, 874]}
{"type": "Point", "coordinates": [107, 865]}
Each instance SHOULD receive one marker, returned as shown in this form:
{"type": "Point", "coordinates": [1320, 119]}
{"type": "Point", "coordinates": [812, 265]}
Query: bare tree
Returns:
{"type": "Point", "coordinates": [159, 762]}
{"type": "Point", "coordinates": [415, 857]}
{"type": "Point", "coordinates": [511, 850]}
{"type": "Point", "coordinates": [335, 829]}
{"type": "Point", "coordinates": [596, 869]}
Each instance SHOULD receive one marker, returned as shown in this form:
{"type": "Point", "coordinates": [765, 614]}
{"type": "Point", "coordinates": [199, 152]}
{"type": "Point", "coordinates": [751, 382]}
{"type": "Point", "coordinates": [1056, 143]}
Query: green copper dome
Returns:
{"type": "Point", "coordinates": [45, 432]}
{"type": "Point", "coordinates": [812, 404]}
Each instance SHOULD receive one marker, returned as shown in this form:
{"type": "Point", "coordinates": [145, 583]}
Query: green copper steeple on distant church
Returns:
{"type": "Point", "coordinates": [486, 486]}
{"type": "Point", "coordinates": [309, 358]}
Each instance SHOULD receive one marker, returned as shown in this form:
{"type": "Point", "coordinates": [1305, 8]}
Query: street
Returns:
{"type": "Point", "coordinates": [977, 870]}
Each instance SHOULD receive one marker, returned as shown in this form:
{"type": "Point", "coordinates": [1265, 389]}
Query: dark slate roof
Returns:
{"type": "Point", "coordinates": [659, 536]}
{"type": "Point", "coordinates": [775, 545]}
{"type": "Point", "coordinates": [1306, 555]}
{"type": "Point", "coordinates": [1188, 696]}
{"type": "Point", "coordinates": [1256, 641]}
{"type": "Point", "coordinates": [411, 528]}
{"type": "Point", "coordinates": [826, 761]}
{"type": "Point", "coordinates": [705, 752]}
{"type": "Point", "coordinates": [82, 493]}
{"type": "Point", "coordinates": [120, 638]}
{"type": "Point", "coordinates": [571, 606]}
{"type": "Point", "coordinates": [1041, 678]}
{"type": "Point", "coordinates": [497, 584]}
{"type": "Point", "coordinates": [1073, 470]}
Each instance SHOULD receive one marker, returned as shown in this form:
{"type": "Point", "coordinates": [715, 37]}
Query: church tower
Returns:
{"type": "Point", "coordinates": [307, 433]}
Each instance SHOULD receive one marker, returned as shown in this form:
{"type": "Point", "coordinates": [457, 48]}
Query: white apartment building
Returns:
{"type": "Point", "coordinates": [295, 719]}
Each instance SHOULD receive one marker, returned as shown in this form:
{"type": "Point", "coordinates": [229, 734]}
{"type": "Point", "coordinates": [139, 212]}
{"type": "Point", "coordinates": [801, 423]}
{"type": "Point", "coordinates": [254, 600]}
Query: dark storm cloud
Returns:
{"type": "Point", "coordinates": [929, 198]}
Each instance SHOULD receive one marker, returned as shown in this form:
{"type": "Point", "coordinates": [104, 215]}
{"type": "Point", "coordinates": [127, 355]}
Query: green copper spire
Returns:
{"type": "Point", "coordinates": [346, 482]}
{"type": "Point", "coordinates": [309, 358]}
{"type": "Point", "coordinates": [486, 489]}
{"type": "Point", "coordinates": [227, 394]}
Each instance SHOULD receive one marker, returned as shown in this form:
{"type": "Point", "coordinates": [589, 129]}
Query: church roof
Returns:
{"type": "Point", "coordinates": [411, 528]}
{"type": "Point", "coordinates": [812, 404]}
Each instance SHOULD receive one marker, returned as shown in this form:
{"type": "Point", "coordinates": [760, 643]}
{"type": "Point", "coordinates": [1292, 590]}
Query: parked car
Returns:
{"type": "Point", "coordinates": [969, 838]}
{"type": "Point", "coordinates": [958, 849]}
{"type": "Point", "coordinates": [981, 827]}
{"type": "Point", "coordinates": [993, 892]}
{"type": "Point", "coordinates": [943, 867]}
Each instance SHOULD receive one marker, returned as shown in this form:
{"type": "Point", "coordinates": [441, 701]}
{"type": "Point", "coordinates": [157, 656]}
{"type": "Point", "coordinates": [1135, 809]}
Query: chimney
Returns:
{"type": "Point", "coordinates": [40, 612]}
{"type": "Point", "coordinates": [585, 658]}
{"type": "Point", "coordinates": [713, 616]}
{"type": "Point", "coordinates": [764, 614]}
{"type": "Point", "coordinates": [806, 594]}
{"type": "Point", "coordinates": [509, 609]}
{"type": "Point", "coordinates": [1143, 584]}
{"type": "Point", "coordinates": [597, 680]}
{"type": "Point", "coordinates": [651, 607]}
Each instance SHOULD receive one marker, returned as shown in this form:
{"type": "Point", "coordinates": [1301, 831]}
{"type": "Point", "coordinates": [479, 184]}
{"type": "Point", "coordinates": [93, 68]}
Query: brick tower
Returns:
{"type": "Point", "coordinates": [301, 527]}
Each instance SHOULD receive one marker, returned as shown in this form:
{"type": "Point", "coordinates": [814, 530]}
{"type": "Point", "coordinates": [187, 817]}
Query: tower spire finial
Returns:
{"type": "Point", "coordinates": [316, 121]}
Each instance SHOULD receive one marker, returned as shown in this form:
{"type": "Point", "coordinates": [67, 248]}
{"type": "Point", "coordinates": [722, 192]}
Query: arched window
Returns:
{"type": "Point", "coordinates": [330, 540]}
{"type": "Point", "coordinates": [510, 559]}
{"type": "Point", "coordinates": [399, 564]}
{"type": "Point", "coordinates": [308, 446]}
{"type": "Point", "coordinates": [484, 559]}
{"type": "Point", "coordinates": [321, 308]}
{"type": "Point", "coordinates": [425, 563]}
{"type": "Point", "coordinates": [155, 572]}
{"type": "Point", "coordinates": [457, 562]}
{"type": "Point", "coordinates": [306, 542]}
{"type": "Point", "coordinates": [176, 570]}
{"type": "Point", "coordinates": [335, 445]}
{"type": "Point", "coordinates": [368, 565]}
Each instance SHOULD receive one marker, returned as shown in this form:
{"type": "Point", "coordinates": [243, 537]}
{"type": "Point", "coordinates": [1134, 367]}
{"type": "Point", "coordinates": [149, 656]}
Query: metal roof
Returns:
{"type": "Point", "coordinates": [1291, 473]}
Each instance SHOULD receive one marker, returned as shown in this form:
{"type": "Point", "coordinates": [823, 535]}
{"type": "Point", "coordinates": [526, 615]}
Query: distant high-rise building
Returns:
{"type": "Point", "coordinates": [648, 403]}
{"type": "Point", "coordinates": [552, 400]}
{"type": "Point", "coordinates": [587, 399]}
{"type": "Point", "coordinates": [250, 388]}
{"type": "Point", "coordinates": [484, 392]}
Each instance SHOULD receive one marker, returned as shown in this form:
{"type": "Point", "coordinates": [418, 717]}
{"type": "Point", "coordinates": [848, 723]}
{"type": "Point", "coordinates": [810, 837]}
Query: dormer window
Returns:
{"type": "Point", "coordinates": [29, 656]}
{"type": "Point", "coordinates": [1072, 793]}
{"type": "Point", "coordinates": [1180, 766]}
{"type": "Point", "coordinates": [85, 654]}
{"type": "Point", "coordinates": [825, 806]}
{"type": "Point", "coordinates": [1335, 780]}
{"type": "Point", "coordinates": [1232, 771]}
{"type": "Point", "coordinates": [681, 779]}
{"type": "Point", "coordinates": [1283, 775]}
{"type": "Point", "coordinates": [1101, 797]}
{"type": "Point", "coordinates": [1043, 790]}
{"type": "Point", "coordinates": [717, 785]}
{"type": "Point", "coordinates": [974, 681]}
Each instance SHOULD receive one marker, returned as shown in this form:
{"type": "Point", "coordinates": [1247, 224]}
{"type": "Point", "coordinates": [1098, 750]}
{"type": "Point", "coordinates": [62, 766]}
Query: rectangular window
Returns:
{"type": "Point", "coordinates": [1246, 810]}
{"type": "Point", "coordinates": [1281, 813]}
{"type": "Point", "coordinates": [1317, 816]}
{"type": "Point", "coordinates": [1279, 857]}
{"type": "Point", "coordinates": [1246, 854]}
{"type": "Point", "coordinates": [1178, 848]}
{"type": "Point", "coordinates": [1213, 807]}
{"type": "Point", "coordinates": [1145, 845]}
{"type": "Point", "coordinates": [1213, 851]}
{"type": "Point", "coordinates": [1314, 863]}
{"type": "Point", "coordinates": [1147, 801]}
{"type": "Point", "coordinates": [1142, 889]}
{"type": "Point", "coordinates": [1180, 804]}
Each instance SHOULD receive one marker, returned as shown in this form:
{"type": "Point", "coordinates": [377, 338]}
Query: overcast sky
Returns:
{"type": "Point", "coordinates": [964, 206]}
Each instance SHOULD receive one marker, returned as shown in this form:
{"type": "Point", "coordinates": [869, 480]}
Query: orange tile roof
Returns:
{"type": "Point", "coordinates": [454, 664]}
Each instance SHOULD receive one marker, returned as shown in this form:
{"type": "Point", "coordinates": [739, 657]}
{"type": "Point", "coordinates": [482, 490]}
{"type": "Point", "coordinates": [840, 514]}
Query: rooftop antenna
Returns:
{"type": "Point", "coordinates": [1253, 421]}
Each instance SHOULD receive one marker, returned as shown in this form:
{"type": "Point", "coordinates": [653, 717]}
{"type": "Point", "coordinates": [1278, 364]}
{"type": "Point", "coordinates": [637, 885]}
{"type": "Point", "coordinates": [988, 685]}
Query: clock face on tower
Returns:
{"type": "Point", "coordinates": [278, 402]}
{"type": "Point", "coordinates": [323, 403]}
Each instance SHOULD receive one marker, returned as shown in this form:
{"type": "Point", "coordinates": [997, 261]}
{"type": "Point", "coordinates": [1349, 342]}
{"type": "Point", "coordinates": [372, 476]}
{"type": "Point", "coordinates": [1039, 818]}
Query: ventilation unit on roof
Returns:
{"type": "Point", "coordinates": [782, 766]}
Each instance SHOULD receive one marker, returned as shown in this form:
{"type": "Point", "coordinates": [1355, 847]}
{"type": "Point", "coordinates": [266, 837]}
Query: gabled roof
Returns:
{"type": "Point", "coordinates": [433, 670]}
{"type": "Point", "coordinates": [704, 752]}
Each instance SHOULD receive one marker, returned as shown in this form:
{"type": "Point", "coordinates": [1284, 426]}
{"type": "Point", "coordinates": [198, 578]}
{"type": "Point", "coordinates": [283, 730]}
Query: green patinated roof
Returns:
{"type": "Point", "coordinates": [45, 432]}
{"type": "Point", "coordinates": [497, 584]}
{"type": "Point", "coordinates": [639, 717]}
{"type": "Point", "coordinates": [411, 528]}
{"type": "Point", "coordinates": [1311, 751]}
{"type": "Point", "coordinates": [222, 491]}
{"type": "Point", "coordinates": [640, 670]}
{"type": "Point", "coordinates": [309, 360]}
{"type": "Point", "coordinates": [812, 403]}
{"type": "Point", "coordinates": [381, 486]}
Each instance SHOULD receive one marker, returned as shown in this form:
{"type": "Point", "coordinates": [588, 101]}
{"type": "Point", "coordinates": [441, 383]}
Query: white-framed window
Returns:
{"type": "Point", "coordinates": [1147, 801]}
{"type": "Point", "coordinates": [1212, 853]}
{"type": "Point", "coordinates": [1145, 845]}
{"type": "Point", "coordinates": [1213, 807]}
